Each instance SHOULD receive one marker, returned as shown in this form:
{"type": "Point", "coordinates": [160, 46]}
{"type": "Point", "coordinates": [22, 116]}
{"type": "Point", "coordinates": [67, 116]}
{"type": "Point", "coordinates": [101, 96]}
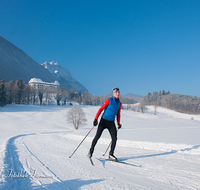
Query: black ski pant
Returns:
{"type": "Point", "coordinates": [110, 125]}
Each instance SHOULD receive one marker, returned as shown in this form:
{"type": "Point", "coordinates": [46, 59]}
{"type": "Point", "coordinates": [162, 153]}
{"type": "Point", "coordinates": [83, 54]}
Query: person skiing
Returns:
{"type": "Point", "coordinates": [112, 108]}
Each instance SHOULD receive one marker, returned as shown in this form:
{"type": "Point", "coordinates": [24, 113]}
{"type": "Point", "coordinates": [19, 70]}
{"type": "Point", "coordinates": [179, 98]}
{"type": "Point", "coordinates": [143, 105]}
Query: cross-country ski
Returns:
{"type": "Point", "coordinates": [91, 161]}
{"type": "Point", "coordinates": [121, 162]}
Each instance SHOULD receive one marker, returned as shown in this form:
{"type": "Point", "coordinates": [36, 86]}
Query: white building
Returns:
{"type": "Point", "coordinates": [38, 84]}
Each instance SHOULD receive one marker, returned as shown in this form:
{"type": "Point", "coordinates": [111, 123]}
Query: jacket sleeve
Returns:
{"type": "Point", "coordinates": [105, 104]}
{"type": "Point", "coordinates": [119, 113]}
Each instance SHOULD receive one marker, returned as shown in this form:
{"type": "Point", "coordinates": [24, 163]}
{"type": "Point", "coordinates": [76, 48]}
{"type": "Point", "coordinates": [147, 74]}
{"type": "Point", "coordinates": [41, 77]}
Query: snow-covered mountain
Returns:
{"type": "Point", "coordinates": [63, 76]}
{"type": "Point", "coordinates": [15, 64]}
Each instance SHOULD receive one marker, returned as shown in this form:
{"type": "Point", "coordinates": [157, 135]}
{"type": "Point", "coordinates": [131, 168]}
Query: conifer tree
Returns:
{"type": "Point", "coordinates": [2, 93]}
{"type": "Point", "coordinates": [20, 88]}
{"type": "Point", "coordinates": [40, 96]}
{"type": "Point", "coordinates": [10, 86]}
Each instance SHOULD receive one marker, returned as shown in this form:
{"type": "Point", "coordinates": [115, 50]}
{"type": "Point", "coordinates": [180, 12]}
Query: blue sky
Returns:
{"type": "Point", "coordinates": [139, 46]}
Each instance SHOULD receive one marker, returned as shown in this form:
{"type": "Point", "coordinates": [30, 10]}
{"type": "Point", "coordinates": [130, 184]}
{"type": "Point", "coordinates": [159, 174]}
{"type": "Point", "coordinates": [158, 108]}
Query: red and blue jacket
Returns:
{"type": "Point", "coordinates": [111, 107]}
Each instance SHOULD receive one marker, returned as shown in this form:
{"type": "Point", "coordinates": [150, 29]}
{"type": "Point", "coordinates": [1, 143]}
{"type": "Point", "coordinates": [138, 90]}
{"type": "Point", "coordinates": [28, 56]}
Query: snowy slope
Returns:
{"type": "Point", "coordinates": [39, 141]}
{"type": "Point", "coordinates": [171, 113]}
{"type": "Point", "coordinates": [63, 76]}
{"type": "Point", "coordinates": [57, 71]}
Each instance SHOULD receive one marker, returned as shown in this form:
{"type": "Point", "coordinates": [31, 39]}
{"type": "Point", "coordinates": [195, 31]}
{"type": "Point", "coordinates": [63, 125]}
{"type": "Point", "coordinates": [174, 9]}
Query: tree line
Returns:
{"type": "Point", "coordinates": [17, 92]}
{"type": "Point", "coordinates": [180, 103]}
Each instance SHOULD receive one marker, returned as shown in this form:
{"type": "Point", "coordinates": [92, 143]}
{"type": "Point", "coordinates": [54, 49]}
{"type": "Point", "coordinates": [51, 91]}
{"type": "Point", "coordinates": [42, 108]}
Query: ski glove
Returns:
{"type": "Point", "coordinates": [119, 125]}
{"type": "Point", "coordinates": [95, 122]}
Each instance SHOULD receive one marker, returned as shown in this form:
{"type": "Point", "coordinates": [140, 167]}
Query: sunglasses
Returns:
{"type": "Point", "coordinates": [115, 90]}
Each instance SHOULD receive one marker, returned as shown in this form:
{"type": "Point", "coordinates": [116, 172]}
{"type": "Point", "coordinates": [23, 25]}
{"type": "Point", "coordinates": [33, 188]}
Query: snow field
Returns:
{"type": "Point", "coordinates": [39, 139]}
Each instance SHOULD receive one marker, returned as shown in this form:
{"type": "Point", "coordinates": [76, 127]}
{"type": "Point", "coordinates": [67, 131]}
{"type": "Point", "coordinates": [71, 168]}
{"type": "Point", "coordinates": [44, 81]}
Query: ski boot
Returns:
{"type": "Point", "coordinates": [90, 153]}
{"type": "Point", "coordinates": [112, 158]}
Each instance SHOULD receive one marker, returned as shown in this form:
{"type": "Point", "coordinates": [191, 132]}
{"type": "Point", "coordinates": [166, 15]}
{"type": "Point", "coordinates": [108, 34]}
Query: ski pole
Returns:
{"type": "Point", "coordinates": [81, 142]}
{"type": "Point", "coordinates": [108, 146]}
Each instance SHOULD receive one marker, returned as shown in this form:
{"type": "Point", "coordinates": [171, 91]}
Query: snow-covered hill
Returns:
{"type": "Point", "coordinates": [63, 76]}
{"type": "Point", "coordinates": [37, 140]}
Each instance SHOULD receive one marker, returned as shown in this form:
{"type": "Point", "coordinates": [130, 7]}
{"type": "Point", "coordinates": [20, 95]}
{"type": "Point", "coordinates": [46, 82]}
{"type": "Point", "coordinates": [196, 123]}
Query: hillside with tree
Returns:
{"type": "Point", "coordinates": [177, 102]}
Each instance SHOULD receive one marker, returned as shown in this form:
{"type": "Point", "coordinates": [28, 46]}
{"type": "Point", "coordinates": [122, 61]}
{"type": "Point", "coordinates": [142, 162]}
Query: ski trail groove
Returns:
{"type": "Point", "coordinates": [55, 176]}
{"type": "Point", "coordinates": [12, 163]}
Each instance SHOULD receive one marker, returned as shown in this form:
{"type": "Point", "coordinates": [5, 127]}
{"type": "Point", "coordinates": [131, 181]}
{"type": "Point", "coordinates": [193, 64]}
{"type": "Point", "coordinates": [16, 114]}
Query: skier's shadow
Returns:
{"type": "Point", "coordinates": [103, 161]}
{"type": "Point", "coordinates": [160, 154]}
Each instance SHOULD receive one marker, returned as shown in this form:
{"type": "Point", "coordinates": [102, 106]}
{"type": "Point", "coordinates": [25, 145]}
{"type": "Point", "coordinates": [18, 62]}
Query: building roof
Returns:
{"type": "Point", "coordinates": [37, 80]}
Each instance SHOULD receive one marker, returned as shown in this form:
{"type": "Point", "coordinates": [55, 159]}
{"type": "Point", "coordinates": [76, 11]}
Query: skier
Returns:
{"type": "Point", "coordinates": [112, 108]}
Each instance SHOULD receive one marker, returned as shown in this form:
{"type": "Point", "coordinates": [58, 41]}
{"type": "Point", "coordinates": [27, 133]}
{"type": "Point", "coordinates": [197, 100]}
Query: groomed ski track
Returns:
{"type": "Point", "coordinates": [46, 151]}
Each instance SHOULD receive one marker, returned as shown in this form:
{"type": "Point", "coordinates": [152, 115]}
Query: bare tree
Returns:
{"type": "Point", "coordinates": [76, 116]}
{"type": "Point", "coordinates": [156, 103]}
{"type": "Point", "coordinates": [142, 105]}
{"type": "Point", "coordinates": [26, 95]}
{"type": "Point", "coordinates": [155, 109]}
{"type": "Point", "coordinates": [58, 97]}
{"type": "Point", "coordinates": [48, 96]}
{"type": "Point", "coordinates": [10, 91]}
{"type": "Point", "coordinates": [33, 96]}
{"type": "Point", "coordinates": [86, 98]}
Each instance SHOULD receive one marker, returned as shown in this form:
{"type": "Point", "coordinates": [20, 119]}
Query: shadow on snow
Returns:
{"type": "Point", "coordinates": [69, 184]}
{"type": "Point", "coordinates": [160, 154]}
{"type": "Point", "coordinates": [12, 163]}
